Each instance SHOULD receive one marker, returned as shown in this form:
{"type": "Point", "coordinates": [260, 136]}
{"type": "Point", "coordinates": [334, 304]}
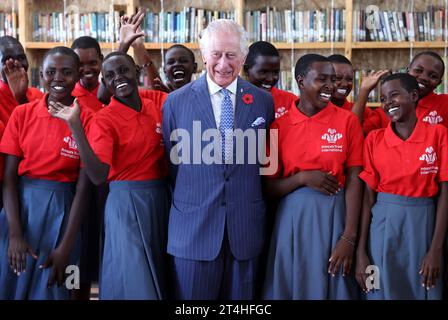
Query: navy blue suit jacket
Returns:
{"type": "Point", "coordinates": [207, 198]}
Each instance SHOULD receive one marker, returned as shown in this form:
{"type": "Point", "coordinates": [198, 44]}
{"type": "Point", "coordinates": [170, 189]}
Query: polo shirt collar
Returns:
{"type": "Point", "coordinates": [124, 111]}
{"type": "Point", "coordinates": [324, 116]}
{"type": "Point", "coordinates": [417, 136]}
{"type": "Point", "coordinates": [79, 90]}
{"type": "Point", "coordinates": [427, 101]}
{"type": "Point", "coordinates": [42, 107]}
{"type": "Point", "coordinates": [214, 88]}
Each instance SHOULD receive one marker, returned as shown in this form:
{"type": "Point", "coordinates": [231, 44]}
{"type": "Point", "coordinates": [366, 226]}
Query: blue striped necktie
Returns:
{"type": "Point", "coordinates": [226, 125]}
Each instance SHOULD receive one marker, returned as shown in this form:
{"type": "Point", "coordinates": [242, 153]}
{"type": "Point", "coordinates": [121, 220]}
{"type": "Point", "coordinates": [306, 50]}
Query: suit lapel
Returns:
{"type": "Point", "coordinates": [203, 104]}
{"type": "Point", "coordinates": [242, 110]}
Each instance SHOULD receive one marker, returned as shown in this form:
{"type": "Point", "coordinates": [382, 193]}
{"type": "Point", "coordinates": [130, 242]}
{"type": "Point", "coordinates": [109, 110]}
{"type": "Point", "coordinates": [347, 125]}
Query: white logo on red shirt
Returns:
{"type": "Point", "coordinates": [433, 118]}
{"type": "Point", "coordinates": [430, 156]}
{"type": "Point", "coordinates": [281, 111]}
{"type": "Point", "coordinates": [331, 136]}
{"type": "Point", "coordinates": [72, 150]}
{"type": "Point", "coordinates": [158, 128]}
{"type": "Point", "coordinates": [71, 142]}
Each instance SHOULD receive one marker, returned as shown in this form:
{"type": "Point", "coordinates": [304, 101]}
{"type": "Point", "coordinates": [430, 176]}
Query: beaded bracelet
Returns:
{"type": "Point", "coordinates": [348, 240]}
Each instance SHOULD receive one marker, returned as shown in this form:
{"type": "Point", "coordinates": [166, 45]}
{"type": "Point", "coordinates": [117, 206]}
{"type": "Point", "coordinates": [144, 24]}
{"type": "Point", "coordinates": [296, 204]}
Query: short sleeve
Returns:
{"type": "Point", "coordinates": [10, 143]}
{"type": "Point", "coordinates": [369, 175]}
{"type": "Point", "coordinates": [101, 136]}
{"type": "Point", "coordinates": [355, 143]}
{"type": "Point", "coordinates": [443, 154]}
{"type": "Point", "coordinates": [157, 96]}
{"type": "Point", "coordinates": [2, 159]}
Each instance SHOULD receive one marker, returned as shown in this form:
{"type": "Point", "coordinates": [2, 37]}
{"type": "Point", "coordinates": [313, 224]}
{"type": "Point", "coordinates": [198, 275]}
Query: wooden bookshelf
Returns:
{"type": "Point", "coordinates": [361, 53]}
{"type": "Point", "coordinates": [398, 45]}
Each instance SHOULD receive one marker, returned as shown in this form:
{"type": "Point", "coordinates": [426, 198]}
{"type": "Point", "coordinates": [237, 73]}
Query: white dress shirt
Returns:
{"type": "Point", "coordinates": [216, 97]}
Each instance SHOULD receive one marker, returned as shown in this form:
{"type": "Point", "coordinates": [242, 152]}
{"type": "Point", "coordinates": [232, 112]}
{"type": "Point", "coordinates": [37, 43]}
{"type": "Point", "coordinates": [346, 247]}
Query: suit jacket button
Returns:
{"type": "Point", "coordinates": [227, 179]}
{"type": "Point", "coordinates": [223, 203]}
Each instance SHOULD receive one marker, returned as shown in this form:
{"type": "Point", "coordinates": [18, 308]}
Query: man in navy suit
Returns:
{"type": "Point", "coordinates": [216, 223]}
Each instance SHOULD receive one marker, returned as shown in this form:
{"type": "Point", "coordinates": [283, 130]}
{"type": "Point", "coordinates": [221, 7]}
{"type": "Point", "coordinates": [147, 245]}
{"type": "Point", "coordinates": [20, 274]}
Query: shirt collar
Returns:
{"type": "Point", "coordinates": [324, 116]}
{"type": "Point", "coordinates": [347, 105]}
{"type": "Point", "coordinates": [214, 88]}
{"type": "Point", "coordinates": [80, 91]}
{"type": "Point", "coordinates": [417, 136]}
{"type": "Point", "coordinates": [42, 107]}
{"type": "Point", "coordinates": [427, 101]}
{"type": "Point", "coordinates": [126, 112]}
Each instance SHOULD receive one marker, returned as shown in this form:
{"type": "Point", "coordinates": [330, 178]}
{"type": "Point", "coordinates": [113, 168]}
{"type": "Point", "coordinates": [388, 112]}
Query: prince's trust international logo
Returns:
{"type": "Point", "coordinates": [430, 158]}
{"type": "Point", "coordinates": [332, 137]}
{"type": "Point", "coordinates": [433, 118]}
{"type": "Point", "coordinates": [70, 148]}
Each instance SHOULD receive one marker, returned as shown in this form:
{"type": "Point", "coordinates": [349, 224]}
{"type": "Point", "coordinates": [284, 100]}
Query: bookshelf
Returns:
{"type": "Point", "coordinates": [347, 18]}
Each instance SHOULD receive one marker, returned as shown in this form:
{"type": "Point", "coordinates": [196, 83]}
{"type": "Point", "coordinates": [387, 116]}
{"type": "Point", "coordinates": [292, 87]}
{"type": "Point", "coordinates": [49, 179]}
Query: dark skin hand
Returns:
{"type": "Point", "coordinates": [17, 79]}
{"type": "Point", "coordinates": [325, 182]}
{"type": "Point", "coordinates": [431, 264]}
{"type": "Point", "coordinates": [362, 259]}
{"type": "Point", "coordinates": [18, 248]}
{"type": "Point", "coordinates": [342, 255]}
{"type": "Point", "coordinates": [59, 257]}
{"type": "Point", "coordinates": [96, 170]}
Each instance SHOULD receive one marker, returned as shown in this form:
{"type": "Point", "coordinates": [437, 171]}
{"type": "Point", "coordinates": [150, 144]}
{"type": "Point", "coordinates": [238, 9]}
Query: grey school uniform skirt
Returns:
{"type": "Point", "coordinates": [44, 209]}
{"type": "Point", "coordinates": [400, 235]}
{"type": "Point", "coordinates": [307, 227]}
{"type": "Point", "coordinates": [134, 254]}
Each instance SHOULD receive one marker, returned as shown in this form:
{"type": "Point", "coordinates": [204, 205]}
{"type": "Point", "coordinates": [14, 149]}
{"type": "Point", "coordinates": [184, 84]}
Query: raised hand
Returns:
{"type": "Point", "coordinates": [17, 250]}
{"type": "Point", "coordinates": [17, 79]}
{"type": "Point", "coordinates": [66, 113]}
{"type": "Point", "coordinates": [322, 181]}
{"type": "Point", "coordinates": [159, 85]}
{"type": "Point", "coordinates": [130, 30]}
{"type": "Point", "coordinates": [372, 80]}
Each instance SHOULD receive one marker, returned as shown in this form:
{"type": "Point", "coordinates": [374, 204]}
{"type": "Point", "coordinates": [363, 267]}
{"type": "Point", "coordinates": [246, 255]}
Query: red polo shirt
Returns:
{"type": "Point", "coordinates": [331, 140]}
{"type": "Point", "coordinates": [130, 142]}
{"type": "Point", "coordinates": [87, 98]}
{"type": "Point", "coordinates": [433, 109]}
{"type": "Point", "coordinates": [410, 168]}
{"type": "Point", "coordinates": [375, 119]}
{"type": "Point", "coordinates": [8, 102]}
{"type": "Point", "coordinates": [2, 158]}
{"type": "Point", "coordinates": [282, 101]}
{"type": "Point", "coordinates": [157, 96]}
{"type": "Point", "coordinates": [45, 144]}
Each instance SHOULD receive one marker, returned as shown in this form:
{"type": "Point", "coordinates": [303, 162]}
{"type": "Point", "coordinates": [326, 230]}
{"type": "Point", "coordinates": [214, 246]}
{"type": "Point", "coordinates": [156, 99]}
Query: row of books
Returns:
{"type": "Point", "coordinates": [60, 27]}
{"type": "Point", "coordinates": [400, 26]}
{"type": "Point", "coordinates": [8, 24]}
{"type": "Point", "coordinates": [296, 26]}
{"type": "Point", "coordinates": [286, 82]}
{"type": "Point", "coordinates": [180, 27]}
{"type": "Point", "coordinates": [375, 93]}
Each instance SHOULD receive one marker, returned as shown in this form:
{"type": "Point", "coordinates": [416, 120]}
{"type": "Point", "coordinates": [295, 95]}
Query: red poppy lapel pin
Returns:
{"type": "Point", "coordinates": [248, 98]}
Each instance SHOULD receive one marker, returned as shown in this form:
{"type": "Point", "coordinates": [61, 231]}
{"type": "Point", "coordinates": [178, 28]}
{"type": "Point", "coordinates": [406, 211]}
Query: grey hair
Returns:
{"type": "Point", "coordinates": [227, 26]}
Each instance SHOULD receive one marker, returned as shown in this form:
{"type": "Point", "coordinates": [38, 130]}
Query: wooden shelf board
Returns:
{"type": "Point", "coordinates": [50, 45]}
{"type": "Point", "coordinates": [397, 45]}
